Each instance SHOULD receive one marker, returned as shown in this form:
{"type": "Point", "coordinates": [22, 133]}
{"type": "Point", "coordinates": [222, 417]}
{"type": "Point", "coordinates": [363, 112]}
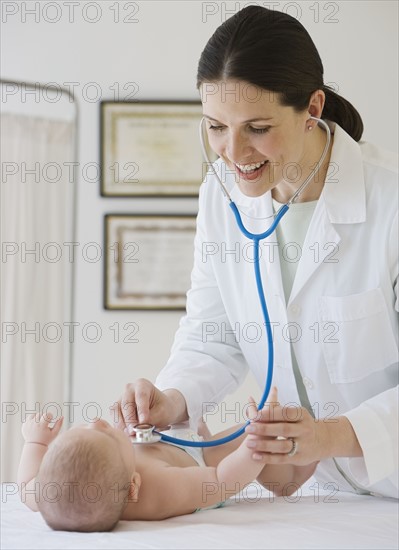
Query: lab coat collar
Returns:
{"type": "Point", "coordinates": [342, 201]}
{"type": "Point", "coordinates": [344, 191]}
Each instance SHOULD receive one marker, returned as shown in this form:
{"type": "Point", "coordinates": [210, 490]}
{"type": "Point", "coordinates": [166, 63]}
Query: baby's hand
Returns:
{"type": "Point", "coordinates": [254, 414]}
{"type": "Point", "coordinates": [36, 428]}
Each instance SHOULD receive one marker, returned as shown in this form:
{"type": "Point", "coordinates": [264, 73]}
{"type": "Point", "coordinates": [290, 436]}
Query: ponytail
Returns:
{"type": "Point", "coordinates": [339, 110]}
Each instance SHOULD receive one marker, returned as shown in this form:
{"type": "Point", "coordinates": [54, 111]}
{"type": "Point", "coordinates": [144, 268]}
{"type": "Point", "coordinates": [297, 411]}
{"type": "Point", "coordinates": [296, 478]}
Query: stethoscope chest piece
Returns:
{"type": "Point", "coordinates": [144, 434]}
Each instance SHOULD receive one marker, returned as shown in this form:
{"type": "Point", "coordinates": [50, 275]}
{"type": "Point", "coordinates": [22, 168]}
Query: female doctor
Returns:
{"type": "Point", "coordinates": [329, 272]}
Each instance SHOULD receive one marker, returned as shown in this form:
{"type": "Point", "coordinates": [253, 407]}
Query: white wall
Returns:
{"type": "Point", "coordinates": [358, 45]}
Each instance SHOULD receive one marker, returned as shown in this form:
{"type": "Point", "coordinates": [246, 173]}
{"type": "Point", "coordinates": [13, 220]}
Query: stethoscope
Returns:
{"type": "Point", "coordinates": [145, 433]}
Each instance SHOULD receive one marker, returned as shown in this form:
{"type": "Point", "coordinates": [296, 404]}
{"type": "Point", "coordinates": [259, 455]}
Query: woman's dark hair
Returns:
{"type": "Point", "coordinates": [273, 51]}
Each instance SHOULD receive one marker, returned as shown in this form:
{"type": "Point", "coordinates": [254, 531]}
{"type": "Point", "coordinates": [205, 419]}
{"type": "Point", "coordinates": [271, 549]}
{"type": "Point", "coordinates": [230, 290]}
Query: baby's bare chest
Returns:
{"type": "Point", "coordinates": [162, 452]}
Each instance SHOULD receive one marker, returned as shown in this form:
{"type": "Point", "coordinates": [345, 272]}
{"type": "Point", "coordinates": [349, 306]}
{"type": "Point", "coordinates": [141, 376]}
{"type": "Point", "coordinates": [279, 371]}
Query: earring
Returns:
{"type": "Point", "coordinates": [310, 127]}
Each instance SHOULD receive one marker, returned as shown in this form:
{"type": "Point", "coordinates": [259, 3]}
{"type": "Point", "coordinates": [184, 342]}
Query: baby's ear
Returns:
{"type": "Point", "coordinates": [134, 489]}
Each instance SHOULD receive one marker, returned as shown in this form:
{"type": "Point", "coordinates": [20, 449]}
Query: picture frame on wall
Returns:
{"type": "Point", "coordinates": [151, 148]}
{"type": "Point", "coordinates": [148, 260]}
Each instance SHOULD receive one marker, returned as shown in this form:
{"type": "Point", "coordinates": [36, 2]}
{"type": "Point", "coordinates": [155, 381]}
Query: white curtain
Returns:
{"type": "Point", "coordinates": [36, 191]}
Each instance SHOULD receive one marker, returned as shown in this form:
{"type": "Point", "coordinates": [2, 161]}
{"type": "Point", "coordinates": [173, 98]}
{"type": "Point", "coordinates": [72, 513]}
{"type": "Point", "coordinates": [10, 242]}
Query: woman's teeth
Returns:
{"type": "Point", "coordinates": [250, 167]}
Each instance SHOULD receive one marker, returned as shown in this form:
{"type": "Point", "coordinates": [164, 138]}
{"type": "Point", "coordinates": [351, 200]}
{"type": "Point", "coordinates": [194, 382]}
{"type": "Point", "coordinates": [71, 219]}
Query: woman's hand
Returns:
{"type": "Point", "coordinates": [287, 435]}
{"type": "Point", "coordinates": [36, 428]}
{"type": "Point", "coordinates": [142, 402]}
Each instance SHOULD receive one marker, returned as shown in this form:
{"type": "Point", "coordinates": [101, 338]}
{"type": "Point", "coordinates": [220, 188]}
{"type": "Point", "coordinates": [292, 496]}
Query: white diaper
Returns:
{"type": "Point", "coordinates": [190, 435]}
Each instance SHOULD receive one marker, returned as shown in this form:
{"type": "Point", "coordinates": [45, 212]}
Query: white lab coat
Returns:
{"type": "Point", "coordinates": [341, 315]}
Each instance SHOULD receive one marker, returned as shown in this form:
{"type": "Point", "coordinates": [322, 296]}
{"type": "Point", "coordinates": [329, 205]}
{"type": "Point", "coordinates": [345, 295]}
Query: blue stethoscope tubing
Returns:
{"type": "Point", "coordinates": [256, 238]}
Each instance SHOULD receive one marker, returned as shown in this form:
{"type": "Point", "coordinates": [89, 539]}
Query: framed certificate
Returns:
{"type": "Point", "coordinates": [148, 261]}
{"type": "Point", "coordinates": [151, 148]}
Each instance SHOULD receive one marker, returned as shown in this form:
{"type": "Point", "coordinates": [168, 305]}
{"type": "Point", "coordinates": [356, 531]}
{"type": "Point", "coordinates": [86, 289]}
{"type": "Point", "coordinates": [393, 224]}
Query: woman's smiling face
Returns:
{"type": "Point", "coordinates": [264, 142]}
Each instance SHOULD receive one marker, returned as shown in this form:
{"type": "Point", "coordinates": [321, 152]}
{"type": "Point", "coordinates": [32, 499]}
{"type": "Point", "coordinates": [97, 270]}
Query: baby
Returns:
{"type": "Point", "coordinates": [91, 476]}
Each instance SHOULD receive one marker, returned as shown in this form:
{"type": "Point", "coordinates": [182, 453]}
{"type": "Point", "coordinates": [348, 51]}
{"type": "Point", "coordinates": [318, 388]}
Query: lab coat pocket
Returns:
{"type": "Point", "coordinates": [363, 341]}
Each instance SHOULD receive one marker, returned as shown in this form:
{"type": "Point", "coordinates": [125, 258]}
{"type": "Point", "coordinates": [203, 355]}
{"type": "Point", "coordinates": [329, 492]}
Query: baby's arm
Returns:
{"type": "Point", "coordinates": [281, 479]}
{"type": "Point", "coordinates": [183, 490]}
{"type": "Point", "coordinates": [37, 435]}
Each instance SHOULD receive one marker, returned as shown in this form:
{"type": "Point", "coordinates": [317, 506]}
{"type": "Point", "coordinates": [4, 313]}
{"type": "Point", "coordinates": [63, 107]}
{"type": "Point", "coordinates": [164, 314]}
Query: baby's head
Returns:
{"type": "Point", "coordinates": [86, 478]}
